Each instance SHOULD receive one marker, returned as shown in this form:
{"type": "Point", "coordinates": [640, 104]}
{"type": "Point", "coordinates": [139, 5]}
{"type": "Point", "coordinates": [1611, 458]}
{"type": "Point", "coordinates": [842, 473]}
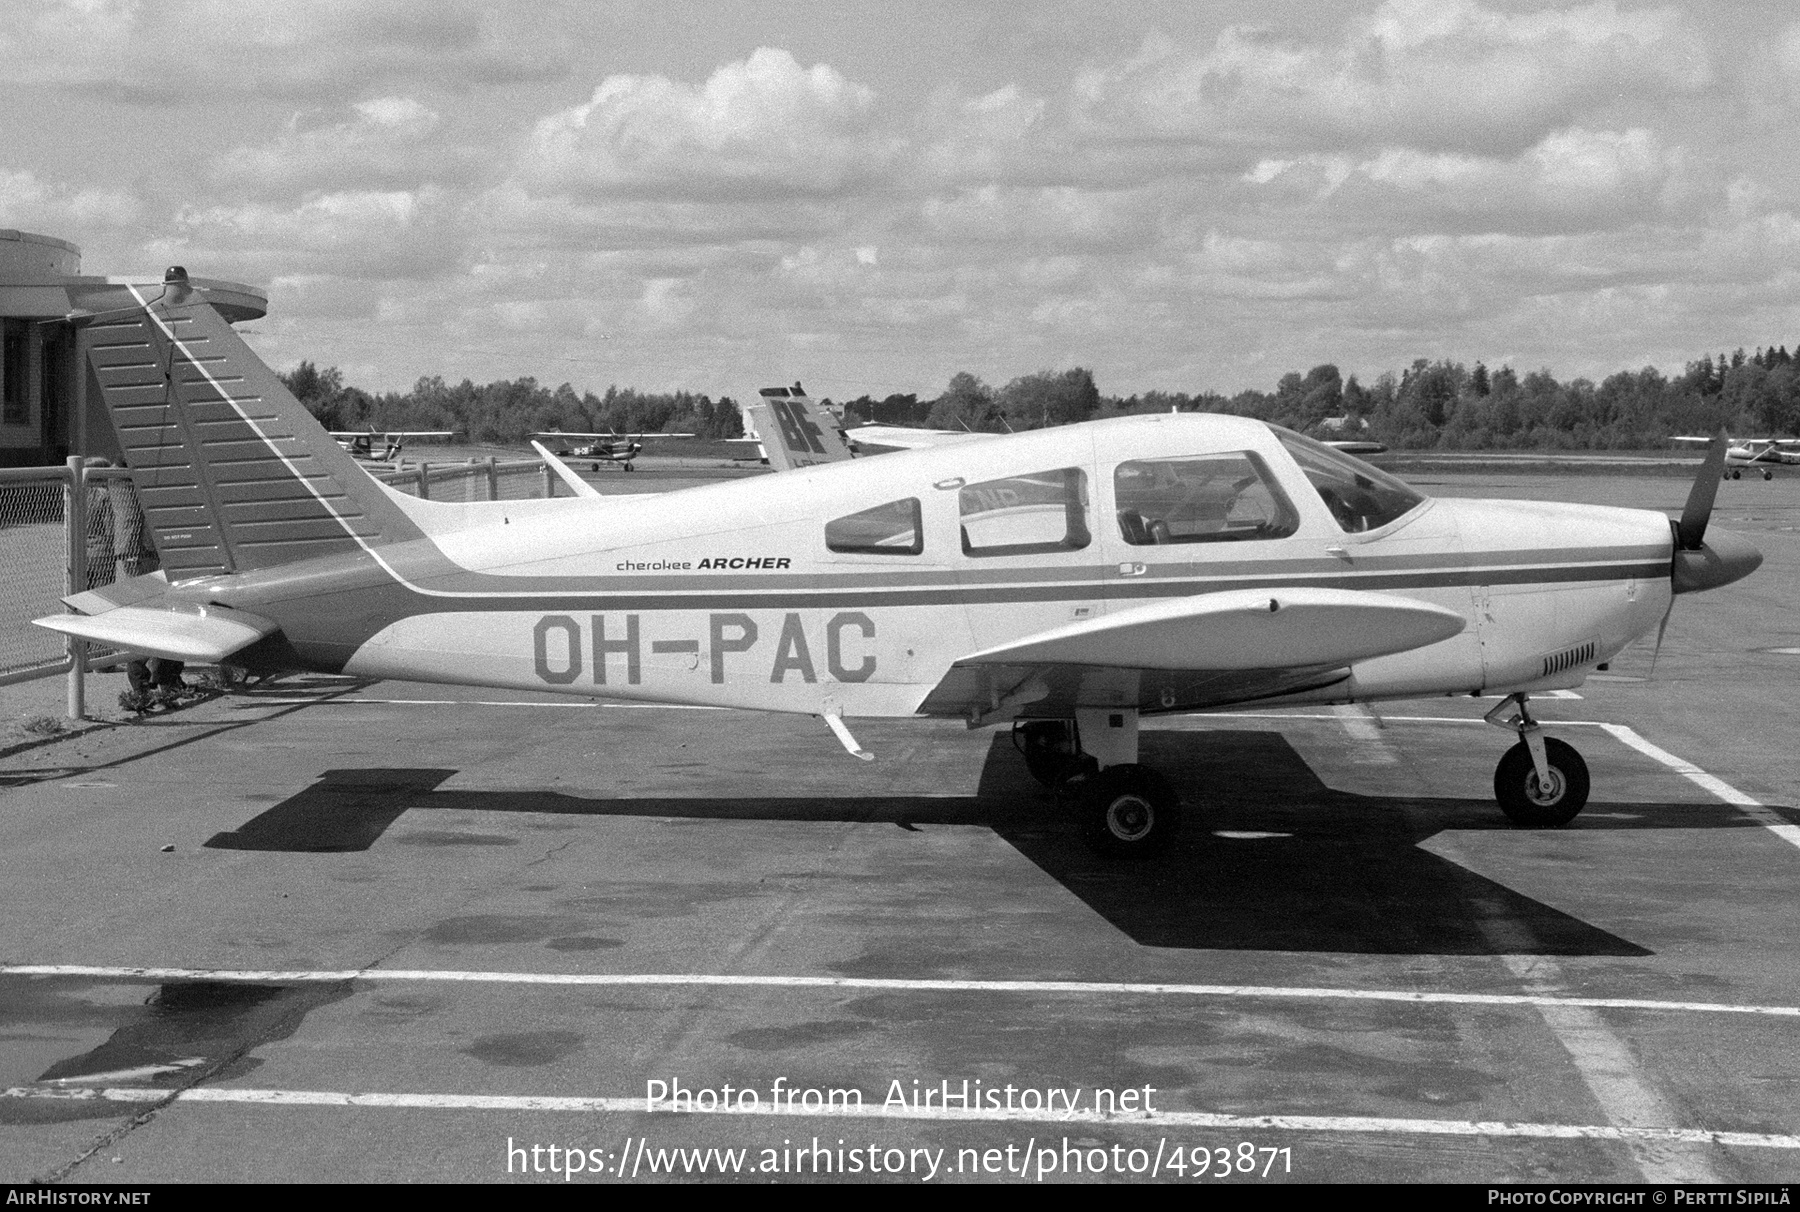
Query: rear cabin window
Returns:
{"type": "Point", "coordinates": [1218, 498]}
{"type": "Point", "coordinates": [890, 529]}
{"type": "Point", "coordinates": [1360, 497]}
{"type": "Point", "coordinates": [1024, 515]}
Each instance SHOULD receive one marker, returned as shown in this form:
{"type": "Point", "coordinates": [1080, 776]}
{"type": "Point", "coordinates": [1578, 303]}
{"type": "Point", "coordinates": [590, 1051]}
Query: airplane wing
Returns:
{"type": "Point", "coordinates": [205, 634]}
{"type": "Point", "coordinates": [564, 472]}
{"type": "Point", "coordinates": [596, 437]}
{"type": "Point", "coordinates": [393, 433]}
{"type": "Point", "coordinates": [1351, 447]}
{"type": "Point", "coordinates": [1189, 653]}
{"type": "Point", "coordinates": [899, 437]}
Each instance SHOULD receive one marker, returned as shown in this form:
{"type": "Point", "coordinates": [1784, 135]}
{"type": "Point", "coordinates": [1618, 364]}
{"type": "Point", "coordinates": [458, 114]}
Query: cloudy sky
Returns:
{"type": "Point", "coordinates": [1180, 194]}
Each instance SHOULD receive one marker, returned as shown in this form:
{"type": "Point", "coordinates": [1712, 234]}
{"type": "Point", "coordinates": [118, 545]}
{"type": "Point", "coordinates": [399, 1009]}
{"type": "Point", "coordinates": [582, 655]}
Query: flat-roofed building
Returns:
{"type": "Point", "coordinates": [48, 407]}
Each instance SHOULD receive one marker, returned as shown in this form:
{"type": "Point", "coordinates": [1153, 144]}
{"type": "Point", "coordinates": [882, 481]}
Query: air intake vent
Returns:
{"type": "Point", "coordinates": [1581, 654]}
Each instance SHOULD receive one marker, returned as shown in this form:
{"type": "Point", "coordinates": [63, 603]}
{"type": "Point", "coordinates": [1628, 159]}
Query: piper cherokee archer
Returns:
{"type": "Point", "coordinates": [1066, 581]}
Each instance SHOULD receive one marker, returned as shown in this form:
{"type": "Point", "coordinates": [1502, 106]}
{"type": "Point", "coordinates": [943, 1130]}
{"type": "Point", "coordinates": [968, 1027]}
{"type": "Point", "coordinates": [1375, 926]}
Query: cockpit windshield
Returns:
{"type": "Point", "coordinates": [1360, 497]}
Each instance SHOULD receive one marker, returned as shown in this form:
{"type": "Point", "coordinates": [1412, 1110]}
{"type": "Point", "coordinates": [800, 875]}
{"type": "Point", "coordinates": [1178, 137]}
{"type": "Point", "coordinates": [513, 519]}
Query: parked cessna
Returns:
{"type": "Point", "coordinates": [361, 443]}
{"type": "Point", "coordinates": [1757, 454]}
{"type": "Point", "coordinates": [603, 447]}
{"type": "Point", "coordinates": [1066, 581]}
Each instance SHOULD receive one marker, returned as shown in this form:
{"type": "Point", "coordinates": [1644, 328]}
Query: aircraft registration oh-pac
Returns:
{"type": "Point", "coordinates": [1064, 581]}
{"type": "Point", "coordinates": [1754, 454]}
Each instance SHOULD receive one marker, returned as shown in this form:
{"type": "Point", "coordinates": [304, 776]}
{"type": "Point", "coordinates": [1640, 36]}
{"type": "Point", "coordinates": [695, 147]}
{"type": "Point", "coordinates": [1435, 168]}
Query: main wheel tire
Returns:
{"type": "Point", "coordinates": [1768, 475]}
{"type": "Point", "coordinates": [1049, 750]}
{"type": "Point", "coordinates": [1128, 811]}
{"type": "Point", "coordinates": [1528, 804]}
{"type": "Point", "coordinates": [1737, 475]}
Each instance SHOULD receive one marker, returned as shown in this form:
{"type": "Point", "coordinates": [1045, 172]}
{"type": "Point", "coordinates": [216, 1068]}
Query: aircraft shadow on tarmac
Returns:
{"type": "Point", "coordinates": [1313, 869]}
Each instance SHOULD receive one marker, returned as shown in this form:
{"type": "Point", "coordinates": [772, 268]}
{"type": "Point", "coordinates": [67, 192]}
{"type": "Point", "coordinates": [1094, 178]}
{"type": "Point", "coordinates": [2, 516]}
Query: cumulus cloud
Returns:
{"type": "Point", "coordinates": [386, 143]}
{"type": "Point", "coordinates": [209, 49]}
{"type": "Point", "coordinates": [354, 234]}
{"type": "Point", "coordinates": [1442, 75]}
{"type": "Point", "coordinates": [27, 201]}
{"type": "Point", "coordinates": [1571, 180]}
{"type": "Point", "coordinates": [764, 125]}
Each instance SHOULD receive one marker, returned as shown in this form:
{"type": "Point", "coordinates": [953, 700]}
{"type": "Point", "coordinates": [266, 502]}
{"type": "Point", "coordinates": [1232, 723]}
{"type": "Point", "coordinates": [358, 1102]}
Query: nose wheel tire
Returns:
{"type": "Point", "coordinates": [1534, 804]}
{"type": "Point", "coordinates": [1128, 811]}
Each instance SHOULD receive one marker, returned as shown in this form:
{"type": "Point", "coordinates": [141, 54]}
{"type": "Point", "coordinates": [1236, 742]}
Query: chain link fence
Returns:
{"type": "Point", "coordinates": [34, 552]}
{"type": "Point", "coordinates": [487, 479]}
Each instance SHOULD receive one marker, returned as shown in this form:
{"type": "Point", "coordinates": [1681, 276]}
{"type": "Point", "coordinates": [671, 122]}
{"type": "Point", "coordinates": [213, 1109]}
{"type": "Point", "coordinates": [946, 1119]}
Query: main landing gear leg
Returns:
{"type": "Point", "coordinates": [1127, 810]}
{"type": "Point", "coordinates": [1541, 782]}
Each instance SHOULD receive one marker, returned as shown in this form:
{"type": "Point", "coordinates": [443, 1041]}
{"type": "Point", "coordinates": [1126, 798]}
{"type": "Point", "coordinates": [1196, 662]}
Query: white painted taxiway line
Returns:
{"type": "Point", "coordinates": [1624, 733]}
{"type": "Point", "coordinates": [771, 1109]}
{"type": "Point", "coordinates": [895, 985]}
{"type": "Point", "coordinates": [1717, 786]}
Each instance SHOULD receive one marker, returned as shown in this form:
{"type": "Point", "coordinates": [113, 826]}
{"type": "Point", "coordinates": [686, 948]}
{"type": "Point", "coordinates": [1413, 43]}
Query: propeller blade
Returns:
{"type": "Point", "coordinates": [1690, 532]}
{"type": "Point", "coordinates": [1657, 651]}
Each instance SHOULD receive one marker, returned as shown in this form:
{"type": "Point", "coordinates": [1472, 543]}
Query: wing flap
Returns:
{"type": "Point", "coordinates": [205, 634]}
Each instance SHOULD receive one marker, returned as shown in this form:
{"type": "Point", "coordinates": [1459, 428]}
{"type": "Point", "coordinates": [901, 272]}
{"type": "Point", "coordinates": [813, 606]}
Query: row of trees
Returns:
{"type": "Point", "coordinates": [507, 410]}
{"type": "Point", "coordinates": [1442, 405]}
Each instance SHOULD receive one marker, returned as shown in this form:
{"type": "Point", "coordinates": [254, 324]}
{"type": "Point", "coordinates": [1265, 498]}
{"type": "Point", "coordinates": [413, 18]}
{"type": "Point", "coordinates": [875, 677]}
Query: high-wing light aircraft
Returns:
{"type": "Point", "coordinates": [1064, 581]}
{"type": "Point", "coordinates": [620, 448]}
{"type": "Point", "coordinates": [1756, 454]}
{"type": "Point", "coordinates": [361, 443]}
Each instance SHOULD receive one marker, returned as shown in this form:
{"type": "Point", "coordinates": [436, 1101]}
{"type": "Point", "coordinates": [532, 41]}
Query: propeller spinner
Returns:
{"type": "Point", "coordinates": [1697, 564]}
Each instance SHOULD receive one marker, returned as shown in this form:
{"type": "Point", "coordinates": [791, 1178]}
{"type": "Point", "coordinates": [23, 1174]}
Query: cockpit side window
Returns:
{"type": "Point", "coordinates": [1218, 498]}
{"type": "Point", "coordinates": [1026, 514]}
{"type": "Point", "coordinates": [894, 528]}
{"type": "Point", "coordinates": [1360, 497]}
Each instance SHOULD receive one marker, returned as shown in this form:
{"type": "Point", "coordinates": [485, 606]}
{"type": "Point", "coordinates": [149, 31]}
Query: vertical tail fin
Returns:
{"type": "Point", "coordinates": [233, 472]}
{"type": "Point", "coordinates": [794, 433]}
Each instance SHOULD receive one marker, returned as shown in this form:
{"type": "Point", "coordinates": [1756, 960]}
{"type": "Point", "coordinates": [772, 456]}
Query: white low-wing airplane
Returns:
{"type": "Point", "coordinates": [1756, 454]}
{"type": "Point", "coordinates": [1065, 581]}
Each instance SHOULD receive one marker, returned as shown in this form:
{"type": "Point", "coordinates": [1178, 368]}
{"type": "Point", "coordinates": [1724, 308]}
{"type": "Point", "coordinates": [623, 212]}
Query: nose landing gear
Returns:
{"type": "Point", "coordinates": [1542, 782]}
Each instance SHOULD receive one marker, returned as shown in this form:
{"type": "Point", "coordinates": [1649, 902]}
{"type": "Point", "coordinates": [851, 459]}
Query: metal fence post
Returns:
{"type": "Point", "coordinates": [424, 481]}
{"type": "Point", "coordinates": [493, 478]}
{"type": "Point", "coordinates": [75, 524]}
{"type": "Point", "coordinates": [549, 481]}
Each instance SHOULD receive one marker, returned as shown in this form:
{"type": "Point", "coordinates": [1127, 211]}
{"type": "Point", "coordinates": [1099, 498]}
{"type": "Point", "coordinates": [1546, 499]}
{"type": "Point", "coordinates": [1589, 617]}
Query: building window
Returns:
{"type": "Point", "coordinates": [15, 374]}
{"type": "Point", "coordinates": [1024, 515]}
{"type": "Point", "coordinates": [1218, 498]}
{"type": "Point", "coordinates": [890, 529]}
